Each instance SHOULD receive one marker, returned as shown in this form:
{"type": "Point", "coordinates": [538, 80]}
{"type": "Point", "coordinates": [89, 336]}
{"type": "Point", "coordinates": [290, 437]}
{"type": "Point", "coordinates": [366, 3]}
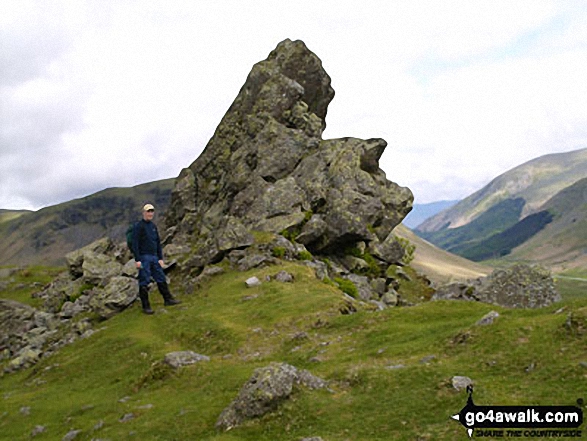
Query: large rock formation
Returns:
{"type": "Point", "coordinates": [268, 169]}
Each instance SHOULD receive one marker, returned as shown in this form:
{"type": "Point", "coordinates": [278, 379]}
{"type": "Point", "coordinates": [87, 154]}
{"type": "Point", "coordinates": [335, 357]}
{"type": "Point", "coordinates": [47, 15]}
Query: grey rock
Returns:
{"type": "Point", "coordinates": [379, 286]}
{"type": "Point", "coordinates": [488, 318]}
{"type": "Point", "coordinates": [583, 364]}
{"type": "Point", "coordinates": [428, 359]}
{"type": "Point", "coordinates": [267, 169]}
{"type": "Point", "coordinates": [284, 277]}
{"type": "Point", "coordinates": [460, 382]}
{"type": "Point", "coordinates": [70, 309]}
{"type": "Point", "coordinates": [519, 286]}
{"type": "Point", "coordinates": [363, 287]}
{"type": "Point", "coordinates": [252, 281]}
{"type": "Point", "coordinates": [98, 269]}
{"type": "Point", "coordinates": [118, 294]}
{"type": "Point", "coordinates": [76, 258]}
{"type": "Point", "coordinates": [319, 267]}
{"type": "Point", "coordinates": [37, 430]}
{"type": "Point", "coordinates": [313, 438]}
{"type": "Point", "coordinates": [184, 358]}
{"type": "Point", "coordinates": [395, 367]}
{"type": "Point", "coordinates": [71, 435]}
{"type": "Point", "coordinates": [264, 391]}
{"type": "Point", "coordinates": [389, 251]}
{"type": "Point", "coordinates": [130, 269]}
{"type": "Point", "coordinates": [390, 298]}
{"type": "Point", "coordinates": [252, 261]}
{"type": "Point", "coordinates": [127, 417]}
{"type": "Point", "coordinates": [26, 410]}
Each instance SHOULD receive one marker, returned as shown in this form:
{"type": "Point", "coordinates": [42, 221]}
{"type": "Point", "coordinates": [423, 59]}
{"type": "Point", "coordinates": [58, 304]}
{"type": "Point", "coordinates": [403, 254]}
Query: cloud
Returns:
{"type": "Point", "coordinates": [107, 93]}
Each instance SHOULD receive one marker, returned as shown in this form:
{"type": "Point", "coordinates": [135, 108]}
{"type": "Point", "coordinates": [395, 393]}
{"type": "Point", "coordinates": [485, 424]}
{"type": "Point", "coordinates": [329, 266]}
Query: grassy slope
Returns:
{"type": "Point", "coordinates": [83, 383]}
{"type": "Point", "coordinates": [438, 265]}
{"type": "Point", "coordinates": [8, 215]}
{"type": "Point", "coordinates": [535, 181]}
{"type": "Point", "coordinates": [561, 245]}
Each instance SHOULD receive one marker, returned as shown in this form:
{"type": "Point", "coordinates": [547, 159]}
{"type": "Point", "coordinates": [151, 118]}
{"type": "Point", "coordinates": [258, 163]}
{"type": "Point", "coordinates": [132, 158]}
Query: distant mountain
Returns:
{"type": "Point", "coordinates": [421, 212]}
{"type": "Point", "coordinates": [45, 236]}
{"type": "Point", "coordinates": [509, 211]}
{"type": "Point", "coordinates": [562, 243]}
{"type": "Point", "coordinates": [535, 182]}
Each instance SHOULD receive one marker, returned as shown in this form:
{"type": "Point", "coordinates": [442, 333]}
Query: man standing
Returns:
{"type": "Point", "coordinates": [146, 248]}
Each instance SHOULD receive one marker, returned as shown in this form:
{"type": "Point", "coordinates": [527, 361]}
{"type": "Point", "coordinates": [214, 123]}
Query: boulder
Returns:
{"type": "Point", "coordinates": [76, 258]}
{"type": "Point", "coordinates": [520, 286]}
{"type": "Point", "coordinates": [98, 269]}
{"type": "Point", "coordinates": [116, 296]}
{"type": "Point", "coordinates": [184, 358]}
{"type": "Point", "coordinates": [264, 391]}
{"type": "Point", "coordinates": [488, 318]}
{"type": "Point", "coordinates": [252, 281]}
{"type": "Point", "coordinates": [460, 382]}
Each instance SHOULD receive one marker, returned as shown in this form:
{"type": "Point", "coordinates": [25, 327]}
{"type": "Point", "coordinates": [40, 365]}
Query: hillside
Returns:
{"type": "Point", "coordinates": [389, 372]}
{"type": "Point", "coordinates": [438, 265]}
{"type": "Point", "coordinates": [535, 182]}
{"type": "Point", "coordinates": [508, 212]}
{"type": "Point", "coordinates": [562, 244]}
{"type": "Point", "coordinates": [8, 215]}
{"type": "Point", "coordinates": [45, 236]}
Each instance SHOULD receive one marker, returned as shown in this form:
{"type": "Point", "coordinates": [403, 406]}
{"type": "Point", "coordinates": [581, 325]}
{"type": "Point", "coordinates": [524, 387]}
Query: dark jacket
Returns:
{"type": "Point", "coordinates": [146, 240]}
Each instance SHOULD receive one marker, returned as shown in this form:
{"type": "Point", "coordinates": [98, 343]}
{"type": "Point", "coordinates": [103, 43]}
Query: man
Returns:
{"type": "Point", "coordinates": [146, 247]}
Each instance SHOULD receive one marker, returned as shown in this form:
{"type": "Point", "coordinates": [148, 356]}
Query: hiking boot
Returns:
{"type": "Point", "coordinates": [167, 297]}
{"type": "Point", "coordinates": [144, 296]}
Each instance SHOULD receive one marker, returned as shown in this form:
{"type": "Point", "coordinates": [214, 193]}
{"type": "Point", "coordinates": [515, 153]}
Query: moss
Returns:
{"type": "Point", "coordinates": [409, 249]}
{"type": "Point", "coordinates": [262, 237]}
{"type": "Point", "coordinates": [305, 255]}
{"type": "Point", "coordinates": [347, 287]}
{"type": "Point", "coordinates": [278, 252]}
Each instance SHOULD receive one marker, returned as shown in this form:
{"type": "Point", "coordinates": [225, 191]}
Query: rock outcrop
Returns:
{"type": "Point", "coordinates": [264, 391]}
{"type": "Point", "coordinates": [268, 169]}
{"type": "Point", "coordinates": [100, 280]}
{"type": "Point", "coordinates": [520, 286]}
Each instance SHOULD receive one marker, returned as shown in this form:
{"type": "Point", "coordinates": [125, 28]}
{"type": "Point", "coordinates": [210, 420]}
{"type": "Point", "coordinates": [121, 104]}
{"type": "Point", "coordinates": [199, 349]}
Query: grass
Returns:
{"type": "Point", "coordinates": [242, 329]}
{"type": "Point", "coordinates": [27, 281]}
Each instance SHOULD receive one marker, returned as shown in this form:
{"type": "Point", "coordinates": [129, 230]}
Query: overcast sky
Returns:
{"type": "Point", "coordinates": [117, 93]}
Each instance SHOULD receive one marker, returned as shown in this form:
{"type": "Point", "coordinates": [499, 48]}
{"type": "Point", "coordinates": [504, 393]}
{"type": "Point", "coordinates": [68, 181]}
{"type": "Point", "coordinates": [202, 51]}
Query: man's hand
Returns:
{"type": "Point", "coordinates": [138, 264]}
{"type": "Point", "coordinates": [161, 264]}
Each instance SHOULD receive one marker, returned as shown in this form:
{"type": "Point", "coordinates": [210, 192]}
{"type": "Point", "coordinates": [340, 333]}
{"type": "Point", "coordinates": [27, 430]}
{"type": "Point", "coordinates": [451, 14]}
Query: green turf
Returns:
{"type": "Point", "coordinates": [242, 329]}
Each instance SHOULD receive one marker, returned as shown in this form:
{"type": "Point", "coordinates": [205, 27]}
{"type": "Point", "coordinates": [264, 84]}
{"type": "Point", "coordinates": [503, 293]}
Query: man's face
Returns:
{"type": "Point", "coordinates": [148, 215]}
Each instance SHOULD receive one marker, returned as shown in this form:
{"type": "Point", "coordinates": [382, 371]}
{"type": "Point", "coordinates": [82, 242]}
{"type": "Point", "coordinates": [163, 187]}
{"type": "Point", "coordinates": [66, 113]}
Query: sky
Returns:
{"type": "Point", "coordinates": [98, 94]}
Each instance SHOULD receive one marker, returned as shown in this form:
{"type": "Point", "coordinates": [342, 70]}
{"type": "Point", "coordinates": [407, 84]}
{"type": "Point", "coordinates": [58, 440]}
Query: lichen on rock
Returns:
{"type": "Point", "coordinates": [267, 169]}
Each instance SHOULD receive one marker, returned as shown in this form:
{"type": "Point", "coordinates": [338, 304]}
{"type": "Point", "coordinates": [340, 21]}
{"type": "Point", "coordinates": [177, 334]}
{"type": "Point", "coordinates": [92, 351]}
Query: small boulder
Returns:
{"type": "Point", "coordinates": [71, 435]}
{"type": "Point", "coordinates": [252, 281]}
{"type": "Point", "coordinates": [284, 277]}
{"type": "Point", "coordinates": [460, 382]}
{"type": "Point", "coordinates": [184, 358]}
{"type": "Point", "coordinates": [488, 318]}
{"type": "Point", "coordinates": [264, 391]}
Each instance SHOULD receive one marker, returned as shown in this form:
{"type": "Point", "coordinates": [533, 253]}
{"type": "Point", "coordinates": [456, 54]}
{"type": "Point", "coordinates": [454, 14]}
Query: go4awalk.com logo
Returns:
{"type": "Point", "coordinates": [520, 421]}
